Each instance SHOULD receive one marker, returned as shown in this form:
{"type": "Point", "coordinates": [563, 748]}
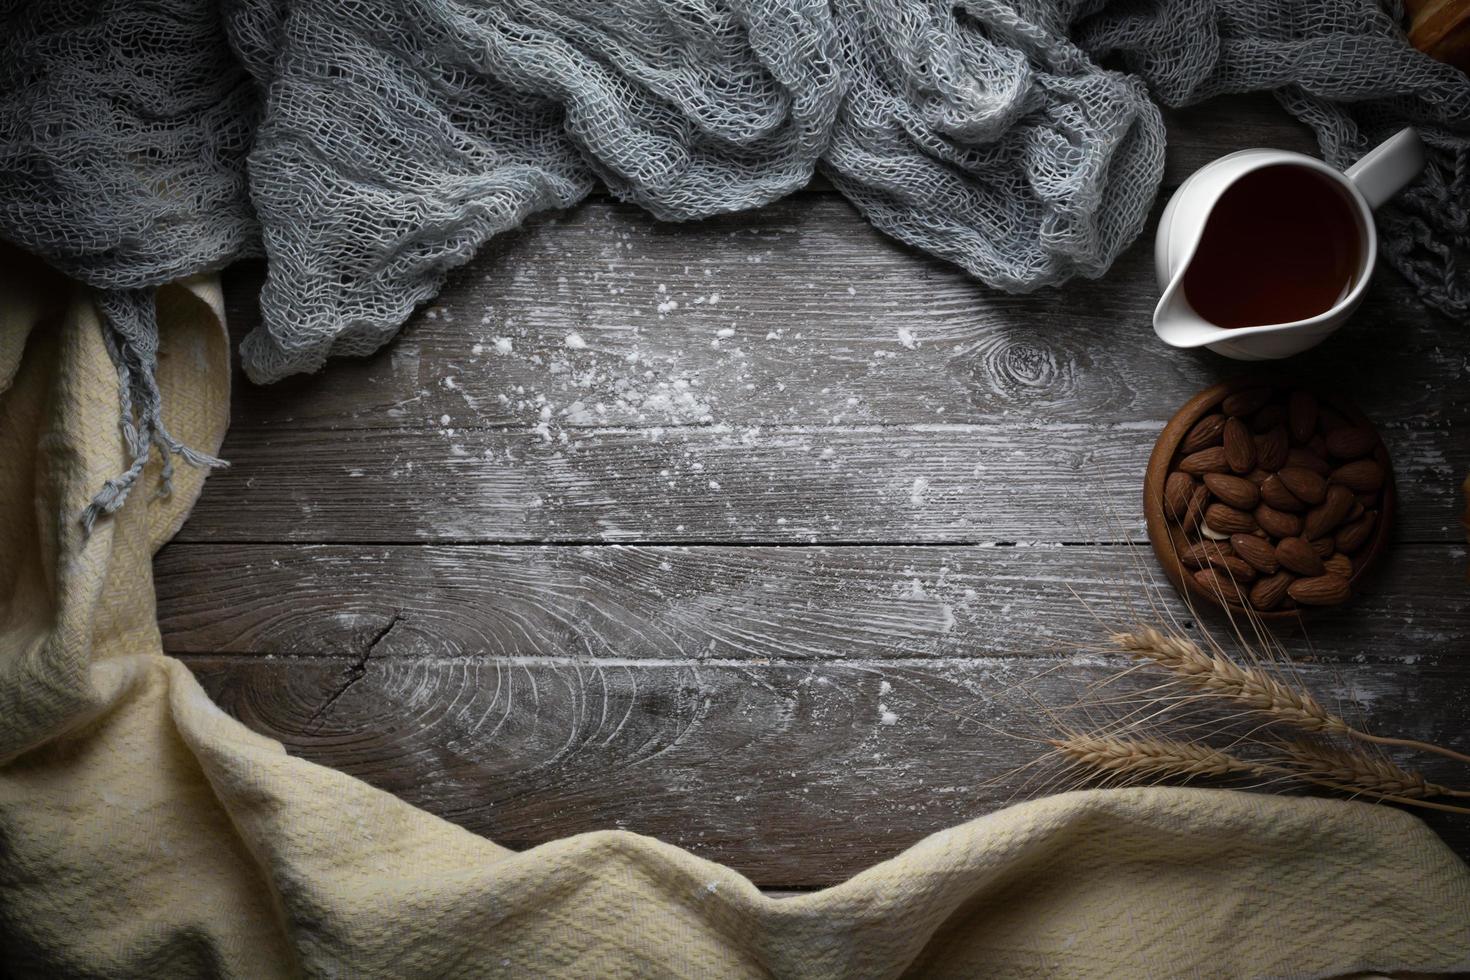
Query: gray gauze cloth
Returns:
{"type": "Point", "coordinates": [364, 147]}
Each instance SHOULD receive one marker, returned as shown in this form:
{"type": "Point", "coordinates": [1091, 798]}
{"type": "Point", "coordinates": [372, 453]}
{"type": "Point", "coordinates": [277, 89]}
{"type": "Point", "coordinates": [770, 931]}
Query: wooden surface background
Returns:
{"type": "Point", "coordinates": [764, 535]}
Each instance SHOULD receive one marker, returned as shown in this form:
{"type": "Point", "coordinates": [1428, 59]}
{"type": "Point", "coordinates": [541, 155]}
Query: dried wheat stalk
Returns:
{"type": "Point", "coordinates": [1149, 757]}
{"type": "Point", "coordinates": [1201, 670]}
{"type": "Point", "coordinates": [1347, 770]}
{"type": "Point", "coordinates": [1252, 687]}
{"type": "Point", "coordinates": [1165, 736]}
{"type": "Point", "coordinates": [1352, 769]}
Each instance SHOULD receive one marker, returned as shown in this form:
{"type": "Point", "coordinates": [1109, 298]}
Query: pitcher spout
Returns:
{"type": "Point", "coordinates": [1177, 323]}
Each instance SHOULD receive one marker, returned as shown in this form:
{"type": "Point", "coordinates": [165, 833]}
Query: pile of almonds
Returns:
{"type": "Point", "coordinates": [1275, 497]}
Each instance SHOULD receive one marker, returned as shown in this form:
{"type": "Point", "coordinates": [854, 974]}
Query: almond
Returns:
{"type": "Point", "coordinates": [1322, 546]}
{"type": "Point", "coordinates": [1268, 592]}
{"type": "Point", "coordinates": [1271, 448]}
{"type": "Point", "coordinates": [1277, 523]}
{"type": "Point", "coordinates": [1308, 460]}
{"type": "Point", "coordinates": [1338, 565]}
{"type": "Point", "coordinates": [1240, 448]}
{"type": "Point", "coordinates": [1203, 554]}
{"type": "Point", "coordinates": [1321, 590]}
{"type": "Point", "coordinates": [1326, 516]}
{"type": "Point", "coordinates": [1219, 585]}
{"type": "Point", "coordinates": [1353, 536]}
{"type": "Point", "coordinates": [1245, 402]}
{"type": "Point", "coordinates": [1210, 460]}
{"type": "Point", "coordinates": [1274, 492]}
{"type": "Point", "coordinates": [1228, 520]}
{"type": "Point", "coordinates": [1317, 446]}
{"type": "Point", "coordinates": [1196, 509]}
{"type": "Point", "coordinates": [1268, 418]}
{"type": "Point", "coordinates": [1239, 571]}
{"type": "Point", "coordinates": [1177, 491]}
{"type": "Point", "coordinates": [1204, 434]}
{"type": "Point", "coordinates": [1301, 414]}
{"type": "Point", "coordinates": [1351, 442]}
{"type": "Point", "coordinates": [1355, 511]}
{"type": "Point", "coordinates": [1296, 555]}
{"type": "Point", "coordinates": [1256, 552]}
{"type": "Point", "coordinates": [1306, 486]}
{"type": "Point", "coordinates": [1239, 493]}
{"type": "Point", "coordinates": [1258, 476]}
{"type": "Point", "coordinates": [1364, 475]}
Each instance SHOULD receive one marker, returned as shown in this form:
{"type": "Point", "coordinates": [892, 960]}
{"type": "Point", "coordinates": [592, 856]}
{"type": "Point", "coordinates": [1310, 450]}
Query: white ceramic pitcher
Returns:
{"type": "Point", "coordinates": [1378, 176]}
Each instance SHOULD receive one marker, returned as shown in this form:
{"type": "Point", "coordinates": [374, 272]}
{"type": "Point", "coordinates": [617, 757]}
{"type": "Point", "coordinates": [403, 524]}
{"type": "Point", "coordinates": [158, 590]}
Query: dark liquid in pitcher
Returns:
{"type": "Point", "coordinates": [1282, 244]}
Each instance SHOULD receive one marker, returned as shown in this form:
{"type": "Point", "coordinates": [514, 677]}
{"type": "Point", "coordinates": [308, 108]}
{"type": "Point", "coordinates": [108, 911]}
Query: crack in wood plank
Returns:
{"type": "Point", "coordinates": [354, 671]}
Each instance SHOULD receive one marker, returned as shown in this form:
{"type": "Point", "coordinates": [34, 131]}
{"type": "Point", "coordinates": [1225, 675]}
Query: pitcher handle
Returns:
{"type": "Point", "coordinates": [1388, 167]}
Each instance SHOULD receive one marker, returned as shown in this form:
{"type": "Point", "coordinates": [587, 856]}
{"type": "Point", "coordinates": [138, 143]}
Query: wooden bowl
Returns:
{"type": "Point", "coordinates": [1168, 539]}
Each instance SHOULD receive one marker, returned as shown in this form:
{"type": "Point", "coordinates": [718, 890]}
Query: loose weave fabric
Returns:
{"type": "Point", "coordinates": [365, 147]}
{"type": "Point", "coordinates": [145, 833]}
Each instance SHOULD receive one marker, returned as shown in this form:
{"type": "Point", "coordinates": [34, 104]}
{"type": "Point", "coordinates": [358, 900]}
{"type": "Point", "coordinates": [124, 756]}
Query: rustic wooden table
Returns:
{"type": "Point", "coordinates": [750, 534]}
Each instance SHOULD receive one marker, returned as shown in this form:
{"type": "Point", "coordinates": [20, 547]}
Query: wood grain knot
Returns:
{"type": "Point", "coordinates": [1019, 369]}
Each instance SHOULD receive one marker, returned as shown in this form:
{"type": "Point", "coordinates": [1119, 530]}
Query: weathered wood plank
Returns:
{"type": "Point", "coordinates": [1028, 479]}
{"type": "Point", "coordinates": [798, 314]}
{"type": "Point", "coordinates": [794, 774]}
{"type": "Point", "coordinates": [753, 604]}
{"type": "Point", "coordinates": [791, 314]}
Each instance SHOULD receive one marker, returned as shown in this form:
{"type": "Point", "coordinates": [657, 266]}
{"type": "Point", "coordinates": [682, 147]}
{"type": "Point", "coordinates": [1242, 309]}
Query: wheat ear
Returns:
{"type": "Point", "coordinates": [1151, 757]}
{"type": "Point", "coordinates": [1351, 770]}
{"type": "Point", "coordinates": [1347, 771]}
{"type": "Point", "coordinates": [1253, 687]}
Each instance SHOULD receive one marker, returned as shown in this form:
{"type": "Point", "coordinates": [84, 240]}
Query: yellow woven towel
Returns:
{"type": "Point", "coordinates": [145, 833]}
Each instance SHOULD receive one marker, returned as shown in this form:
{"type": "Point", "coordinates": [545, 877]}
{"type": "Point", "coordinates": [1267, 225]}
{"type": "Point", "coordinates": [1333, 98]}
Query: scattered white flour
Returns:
{"type": "Point", "coordinates": [725, 332]}
{"type": "Point", "coordinates": [906, 338]}
{"type": "Point", "coordinates": [886, 717]}
{"type": "Point", "coordinates": [884, 688]}
{"type": "Point", "coordinates": [575, 342]}
{"type": "Point", "coordinates": [668, 306]}
{"type": "Point", "coordinates": [916, 495]}
{"type": "Point", "coordinates": [502, 345]}
{"type": "Point", "coordinates": [444, 420]}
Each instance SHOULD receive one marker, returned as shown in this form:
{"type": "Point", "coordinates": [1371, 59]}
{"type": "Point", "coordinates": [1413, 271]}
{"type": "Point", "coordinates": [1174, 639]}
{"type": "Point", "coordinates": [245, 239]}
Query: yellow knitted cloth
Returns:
{"type": "Point", "coordinates": [145, 833]}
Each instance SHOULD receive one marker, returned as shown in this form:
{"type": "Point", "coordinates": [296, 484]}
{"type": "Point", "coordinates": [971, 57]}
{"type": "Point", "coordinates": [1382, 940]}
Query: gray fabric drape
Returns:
{"type": "Point", "coordinates": [364, 147]}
